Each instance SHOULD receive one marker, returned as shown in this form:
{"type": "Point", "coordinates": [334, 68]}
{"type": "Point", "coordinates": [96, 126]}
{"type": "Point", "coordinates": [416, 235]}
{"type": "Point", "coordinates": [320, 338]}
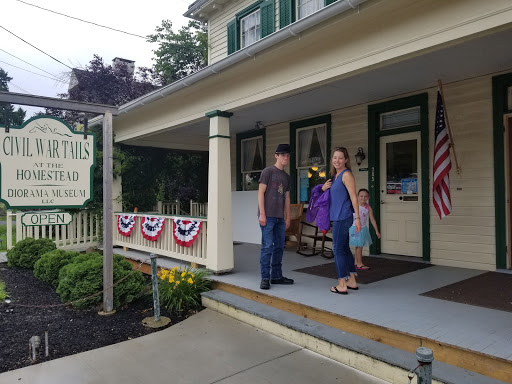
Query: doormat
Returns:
{"type": "Point", "coordinates": [380, 269]}
{"type": "Point", "coordinates": [490, 290]}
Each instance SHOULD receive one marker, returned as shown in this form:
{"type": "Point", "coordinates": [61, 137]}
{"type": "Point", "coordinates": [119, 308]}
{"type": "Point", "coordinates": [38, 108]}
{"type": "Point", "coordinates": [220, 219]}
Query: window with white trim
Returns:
{"type": "Point", "coordinates": [251, 162]}
{"type": "Point", "coordinates": [311, 161]}
{"type": "Point", "coordinates": [250, 25]}
{"type": "Point", "coordinates": [307, 7]}
{"type": "Point", "coordinates": [250, 29]}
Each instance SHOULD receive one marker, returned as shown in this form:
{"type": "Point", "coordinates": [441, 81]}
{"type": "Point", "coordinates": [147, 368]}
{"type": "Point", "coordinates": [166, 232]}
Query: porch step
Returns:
{"type": "Point", "coordinates": [377, 359]}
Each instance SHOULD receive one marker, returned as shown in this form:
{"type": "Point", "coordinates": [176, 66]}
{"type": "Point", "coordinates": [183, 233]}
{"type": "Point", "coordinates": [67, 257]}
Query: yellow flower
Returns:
{"type": "Point", "coordinates": [171, 279]}
{"type": "Point", "coordinates": [193, 275]}
{"type": "Point", "coordinates": [183, 274]}
{"type": "Point", "coordinates": [190, 281]}
{"type": "Point", "coordinates": [178, 282]}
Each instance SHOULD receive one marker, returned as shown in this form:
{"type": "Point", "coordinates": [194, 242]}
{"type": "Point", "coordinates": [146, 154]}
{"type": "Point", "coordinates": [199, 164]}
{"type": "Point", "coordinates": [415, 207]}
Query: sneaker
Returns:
{"type": "Point", "coordinates": [265, 284]}
{"type": "Point", "coordinates": [282, 280]}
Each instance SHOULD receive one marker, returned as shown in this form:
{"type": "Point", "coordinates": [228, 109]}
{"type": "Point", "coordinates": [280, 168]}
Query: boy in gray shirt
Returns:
{"type": "Point", "coordinates": [274, 217]}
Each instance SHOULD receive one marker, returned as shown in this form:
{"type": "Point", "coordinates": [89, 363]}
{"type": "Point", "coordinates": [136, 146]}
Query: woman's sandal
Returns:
{"type": "Point", "coordinates": [339, 292]}
{"type": "Point", "coordinates": [362, 268]}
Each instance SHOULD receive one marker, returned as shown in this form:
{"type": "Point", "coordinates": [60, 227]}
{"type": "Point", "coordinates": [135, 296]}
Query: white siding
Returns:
{"type": "Point", "coordinates": [217, 28]}
{"type": "Point", "coordinates": [466, 237]}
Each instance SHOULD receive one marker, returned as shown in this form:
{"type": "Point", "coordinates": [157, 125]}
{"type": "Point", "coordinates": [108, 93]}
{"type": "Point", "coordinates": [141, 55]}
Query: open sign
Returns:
{"type": "Point", "coordinates": [46, 218]}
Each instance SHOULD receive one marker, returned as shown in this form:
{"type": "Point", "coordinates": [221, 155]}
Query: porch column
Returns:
{"type": "Point", "coordinates": [219, 245]}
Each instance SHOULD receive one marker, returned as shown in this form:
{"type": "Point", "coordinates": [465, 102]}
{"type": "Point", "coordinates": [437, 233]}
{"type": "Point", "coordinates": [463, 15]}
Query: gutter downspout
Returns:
{"type": "Point", "coordinates": [293, 29]}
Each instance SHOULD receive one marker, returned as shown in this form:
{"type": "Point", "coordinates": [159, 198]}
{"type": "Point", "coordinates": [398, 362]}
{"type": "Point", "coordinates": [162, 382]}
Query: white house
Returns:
{"type": "Point", "coordinates": [360, 74]}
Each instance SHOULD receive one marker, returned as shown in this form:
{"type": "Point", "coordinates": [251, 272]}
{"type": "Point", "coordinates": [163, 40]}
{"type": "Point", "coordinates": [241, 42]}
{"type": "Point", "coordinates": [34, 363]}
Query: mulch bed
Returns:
{"type": "Point", "coordinates": [490, 290]}
{"type": "Point", "coordinates": [70, 330]}
{"type": "Point", "coordinates": [380, 269]}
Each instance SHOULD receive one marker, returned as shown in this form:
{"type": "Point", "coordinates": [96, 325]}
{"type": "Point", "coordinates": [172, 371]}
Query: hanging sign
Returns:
{"type": "Point", "coordinates": [44, 163]}
{"type": "Point", "coordinates": [46, 218]}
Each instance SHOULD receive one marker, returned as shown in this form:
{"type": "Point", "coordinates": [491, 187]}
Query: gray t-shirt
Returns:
{"type": "Point", "coordinates": [278, 183]}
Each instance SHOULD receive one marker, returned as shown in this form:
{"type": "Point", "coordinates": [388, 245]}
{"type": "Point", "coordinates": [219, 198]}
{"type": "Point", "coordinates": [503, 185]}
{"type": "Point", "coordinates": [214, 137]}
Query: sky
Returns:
{"type": "Point", "coordinates": [74, 42]}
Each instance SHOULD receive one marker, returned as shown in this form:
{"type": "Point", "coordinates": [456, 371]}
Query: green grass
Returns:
{"type": "Point", "coordinates": [3, 293]}
{"type": "Point", "coordinates": [3, 236]}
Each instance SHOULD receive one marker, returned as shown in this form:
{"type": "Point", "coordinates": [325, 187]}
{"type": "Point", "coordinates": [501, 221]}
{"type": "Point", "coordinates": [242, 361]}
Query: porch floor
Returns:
{"type": "Point", "coordinates": [394, 303]}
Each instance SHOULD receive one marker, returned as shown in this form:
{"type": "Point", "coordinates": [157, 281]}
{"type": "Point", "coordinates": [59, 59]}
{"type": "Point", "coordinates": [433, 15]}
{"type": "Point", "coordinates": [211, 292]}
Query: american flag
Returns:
{"type": "Point", "coordinates": [442, 163]}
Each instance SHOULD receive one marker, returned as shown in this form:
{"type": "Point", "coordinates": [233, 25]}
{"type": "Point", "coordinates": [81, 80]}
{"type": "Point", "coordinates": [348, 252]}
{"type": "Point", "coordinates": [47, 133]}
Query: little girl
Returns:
{"type": "Point", "coordinates": [363, 238]}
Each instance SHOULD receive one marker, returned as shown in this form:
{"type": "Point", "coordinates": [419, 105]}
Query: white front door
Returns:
{"type": "Point", "coordinates": [400, 194]}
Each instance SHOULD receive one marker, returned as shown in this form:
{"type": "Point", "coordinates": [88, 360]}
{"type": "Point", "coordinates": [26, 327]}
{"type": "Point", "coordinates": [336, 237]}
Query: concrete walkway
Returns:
{"type": "Point", "coordinates": [206, 348]}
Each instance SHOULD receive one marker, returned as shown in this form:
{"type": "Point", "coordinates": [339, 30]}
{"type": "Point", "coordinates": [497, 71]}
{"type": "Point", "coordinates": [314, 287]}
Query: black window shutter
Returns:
{"type": "Point", "coordinates": [231, 37]}
{"type": "Point", "coordinates": [268, 18]}
{"type": "Point", "coordinates": [285, 12]}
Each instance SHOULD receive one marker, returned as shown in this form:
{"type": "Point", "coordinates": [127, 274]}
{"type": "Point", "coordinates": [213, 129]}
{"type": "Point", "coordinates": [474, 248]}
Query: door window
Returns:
{"type": "Point", "coordinates": [402, 167]}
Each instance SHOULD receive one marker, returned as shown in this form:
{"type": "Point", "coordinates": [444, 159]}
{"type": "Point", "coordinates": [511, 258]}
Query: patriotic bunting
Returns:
{"type": "Point", "coordinates": [152, 227]}
{"type": "Point", "coordinates": [185, 231]}
{"type": "Point", "coordinates": [125, 224]}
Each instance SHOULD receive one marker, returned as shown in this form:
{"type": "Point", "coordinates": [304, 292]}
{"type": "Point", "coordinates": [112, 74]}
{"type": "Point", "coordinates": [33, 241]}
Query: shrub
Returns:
{"type": "Point", "coordinates": [84, 277]}
{"type": "Point", "coordinates": [48, 266]}
{"type": "Point", "coordinates": [26, 252]}
{"type": "Point", "coordinates": [181, 289]}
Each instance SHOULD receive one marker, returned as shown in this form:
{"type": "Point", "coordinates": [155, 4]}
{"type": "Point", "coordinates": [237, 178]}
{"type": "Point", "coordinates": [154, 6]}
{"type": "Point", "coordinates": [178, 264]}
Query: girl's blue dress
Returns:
{"type": "Point", "coordinates": [362, 238]}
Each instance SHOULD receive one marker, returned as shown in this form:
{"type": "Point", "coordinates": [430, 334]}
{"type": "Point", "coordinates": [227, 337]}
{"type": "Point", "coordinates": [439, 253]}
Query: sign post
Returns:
{"type": "Point", "coordinates": [59, 174]}
{"type": "Point", "coordinates": [108, 169]}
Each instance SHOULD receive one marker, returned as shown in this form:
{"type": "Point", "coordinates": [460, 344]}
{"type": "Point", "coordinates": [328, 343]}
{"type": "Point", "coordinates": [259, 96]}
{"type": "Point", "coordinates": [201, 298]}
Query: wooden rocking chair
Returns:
{"type": "Point", "coordinates": [295, 219]}
{"type": "Point", "coordinates": [306, 249]}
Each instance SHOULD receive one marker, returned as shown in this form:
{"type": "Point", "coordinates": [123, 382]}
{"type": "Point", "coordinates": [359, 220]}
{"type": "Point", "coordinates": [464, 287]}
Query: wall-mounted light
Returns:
{"type": "Point", "coordinates": [360, 156]}
{"type": "Point", "coordinates": [259, 125]}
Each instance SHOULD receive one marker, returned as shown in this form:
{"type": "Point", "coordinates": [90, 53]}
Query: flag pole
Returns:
{"type": "Point", "coordinates": [452, 144]}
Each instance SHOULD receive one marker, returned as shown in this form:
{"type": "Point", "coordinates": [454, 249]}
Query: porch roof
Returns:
{"type": "Point", "coordinates": [255, 90]}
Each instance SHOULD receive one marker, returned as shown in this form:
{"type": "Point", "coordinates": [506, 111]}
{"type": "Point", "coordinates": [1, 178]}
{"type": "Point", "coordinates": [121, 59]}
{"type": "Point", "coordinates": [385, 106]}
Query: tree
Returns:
{"type": "Point", "coordinates": [14, 118]}
{"type": "Point", "coordinates": [179, 54]}
{"type": "Point", "coordinates": [104, 84]}
{"type": "Point", "coordinates": [148, 174]}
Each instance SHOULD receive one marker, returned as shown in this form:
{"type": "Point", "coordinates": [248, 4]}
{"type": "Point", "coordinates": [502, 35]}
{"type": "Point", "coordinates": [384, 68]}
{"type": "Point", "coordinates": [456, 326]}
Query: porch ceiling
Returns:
{"type": "Point", "coordinates": [479, 56]}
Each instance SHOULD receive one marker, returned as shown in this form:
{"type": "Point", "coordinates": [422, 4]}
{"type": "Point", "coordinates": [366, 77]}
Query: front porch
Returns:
{"type": "Point", "coordinates": [390, 311]}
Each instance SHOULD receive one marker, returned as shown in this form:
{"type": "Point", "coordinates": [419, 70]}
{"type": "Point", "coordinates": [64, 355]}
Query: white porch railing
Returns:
{"type": "Point", "coordinates": [198, 209]}
{"type": "Point", "coordinates": [168, 208]}
{"type": "Point", "coordinates": [81, 233]}
{"type": "Point", "coordinates": [165, 245]}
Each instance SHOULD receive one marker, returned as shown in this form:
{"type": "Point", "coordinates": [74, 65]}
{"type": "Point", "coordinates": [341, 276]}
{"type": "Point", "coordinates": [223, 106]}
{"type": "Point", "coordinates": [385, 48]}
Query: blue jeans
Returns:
{"type": "Point", "coordinates": [343, 256]}
{"type": "Point", "coordinates": [272, 246]}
